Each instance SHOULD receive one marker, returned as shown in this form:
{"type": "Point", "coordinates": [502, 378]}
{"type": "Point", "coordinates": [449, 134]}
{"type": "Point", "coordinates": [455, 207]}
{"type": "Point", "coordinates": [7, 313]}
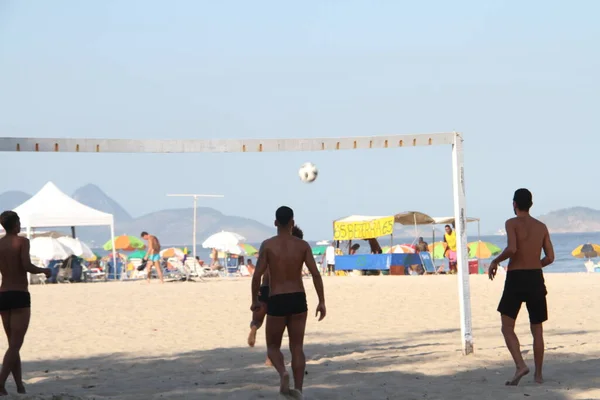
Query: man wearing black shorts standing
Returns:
{"type": "Point", "coordinates": [527, 237]}
{"type": "Point", "coordinates": [258, 315]}
{"type": "Point", "coordinates": [284, 257]}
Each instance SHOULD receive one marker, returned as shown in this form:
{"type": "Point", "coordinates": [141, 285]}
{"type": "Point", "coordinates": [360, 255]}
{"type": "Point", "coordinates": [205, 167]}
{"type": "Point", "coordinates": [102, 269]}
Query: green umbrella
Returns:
{"type": "Point", "coordinates": [249, 249]}
{"type": "Point", "coordinates": [137, 254]}
{"type": "Point", "coordinates": [319, 250]}
{"type": "Point", "coordinates": [125, 243]}
{"type": "Point", "coordinates": [481, 249]}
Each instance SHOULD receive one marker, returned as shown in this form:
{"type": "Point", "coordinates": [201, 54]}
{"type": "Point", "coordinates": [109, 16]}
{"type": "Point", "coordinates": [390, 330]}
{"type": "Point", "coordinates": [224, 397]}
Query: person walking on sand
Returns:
{"type": "Point", "coordinates": [15, 301]}
{"type": "Point", "coordinates": [524, 283]}
{"type": "Point", "coordinates": [258, 315]}
{"type": "Point", "coordinates": [284, 256]}
{"type": "Point", "coordinates": [152, 255]}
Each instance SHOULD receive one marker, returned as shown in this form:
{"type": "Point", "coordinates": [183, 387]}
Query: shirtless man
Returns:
{"type": "Point", "coordinates": [284, 256]}
{"type": "Point", "coordinates": [527, 237]}
{"type": "Point", "coordinates": [15, 302]}
{"type": "Point", "coordinates": [258, 315]}
{"type": "Point", "coordinates": [152, 255]}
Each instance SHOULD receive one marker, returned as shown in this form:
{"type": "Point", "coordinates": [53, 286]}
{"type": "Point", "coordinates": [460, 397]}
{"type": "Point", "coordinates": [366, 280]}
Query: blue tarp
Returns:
{"type": "Point", "coordinates": [379, 262]}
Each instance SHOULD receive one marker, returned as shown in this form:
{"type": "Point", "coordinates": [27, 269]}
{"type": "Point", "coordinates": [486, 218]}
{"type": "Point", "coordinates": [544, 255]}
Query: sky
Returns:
{"type": "Point", "coordinates": [518, 79]}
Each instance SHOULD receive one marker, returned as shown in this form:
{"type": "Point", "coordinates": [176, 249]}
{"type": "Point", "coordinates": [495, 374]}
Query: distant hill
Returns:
{"type": "Point", "coordinates": [574, 219]}
{"type": "Point", "coordinates": [92, 196]}
{"type": "Point", "coordinates": [12, 199]}
{"type": "Point", "coordinates": [170, 226]}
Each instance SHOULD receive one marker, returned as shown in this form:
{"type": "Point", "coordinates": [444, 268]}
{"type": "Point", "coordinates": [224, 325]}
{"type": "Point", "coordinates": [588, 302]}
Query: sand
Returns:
{"type": "Point", "coordinates": [383, 338]}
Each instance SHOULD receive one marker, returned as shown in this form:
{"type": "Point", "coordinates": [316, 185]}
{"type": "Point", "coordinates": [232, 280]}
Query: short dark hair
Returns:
{"type": "Point", "coordinates": [144, 233]}
{"type": "Point", "coordinates": [284, 215]}
{"type": "Point", "coordinates": [523, 199]}
{"type": "Point", "coordinates": [297, 232]}
{"type": "Point", "coordinates": [9, 220]}
{"type": "Point", "coordinates": [447, 226]}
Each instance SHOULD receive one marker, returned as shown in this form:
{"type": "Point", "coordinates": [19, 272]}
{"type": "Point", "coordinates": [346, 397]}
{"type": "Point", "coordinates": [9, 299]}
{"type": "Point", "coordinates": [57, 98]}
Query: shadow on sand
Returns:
{"type": "Point", "coordinates": [358, 370]}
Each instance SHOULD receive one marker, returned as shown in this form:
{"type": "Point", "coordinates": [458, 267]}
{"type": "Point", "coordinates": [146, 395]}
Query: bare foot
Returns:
{"type": "Point", "coordinates": [21, 389]}
{"type": "Point", "coordinates": [3, 391]}
{"type": "Point", "coordinates": [252, 336]}
{"type": "Point", "coordinates": [268, 362]}
{"type": "Point", "coordinates": [521, 372]}
{"type": "Point", "coordinates": [284, 387]}
{"type": "Point", "coordinates": [538, 378]}
{"type": "Point", "coordinates": [296, 394]}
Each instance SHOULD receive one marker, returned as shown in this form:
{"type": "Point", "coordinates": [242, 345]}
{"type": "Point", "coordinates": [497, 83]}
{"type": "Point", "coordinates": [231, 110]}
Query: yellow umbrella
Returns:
{"type": "Point", "coordinates": [587, 250]}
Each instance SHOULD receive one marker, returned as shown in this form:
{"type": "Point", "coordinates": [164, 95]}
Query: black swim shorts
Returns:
{"type": "Point", "coordinates": [283, 305]}
{"type": "Point", "coordinates": [12, 300]}
{"type": "Point", "coordinates": [525, 286]}
{"type": "Point", "coordinates": [263, 294]}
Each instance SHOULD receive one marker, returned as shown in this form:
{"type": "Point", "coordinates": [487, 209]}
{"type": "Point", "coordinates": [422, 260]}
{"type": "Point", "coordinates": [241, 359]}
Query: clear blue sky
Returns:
{"type": "Point", "coordinates": [519, 78]}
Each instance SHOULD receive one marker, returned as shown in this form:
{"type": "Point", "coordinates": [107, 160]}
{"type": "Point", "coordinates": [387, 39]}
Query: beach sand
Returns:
{"type": "Point", "coordinates": [384, 338]}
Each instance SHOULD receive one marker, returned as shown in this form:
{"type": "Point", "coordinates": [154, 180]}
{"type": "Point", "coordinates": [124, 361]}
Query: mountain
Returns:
{"type": "Point", "coordinates": [170, 226]}
{"type": "Point", "coordinates": [12, 199]}
{"type": "Point", "coordinates": [92, 196]}
{"type": "Point", "coordinates": [574, 219]}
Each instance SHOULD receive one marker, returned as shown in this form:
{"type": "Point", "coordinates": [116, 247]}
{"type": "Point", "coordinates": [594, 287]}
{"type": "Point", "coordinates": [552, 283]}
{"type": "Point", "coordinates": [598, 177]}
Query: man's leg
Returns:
{"type": "Point", "coordinates": [274, 333]}
{"type": "Point", "coordinates": [514, 347]}
{"type": "Point", "coordinates": [16, 323]}
{"type": "Point", "coordinates": [537, 330]}
{"type": "Point", "coordinates": [296, 327]}
{"type": "Point", "coordinates": [258, 317]}
{"type": "Point", "coordinates": [159, 270]}
{"type": "Point", "coordinates": [148, 270]}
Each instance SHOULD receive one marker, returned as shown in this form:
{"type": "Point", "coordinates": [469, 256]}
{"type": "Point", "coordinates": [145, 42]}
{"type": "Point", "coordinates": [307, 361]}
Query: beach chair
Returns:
{"type": "Point", "coordinates": [233, 271]}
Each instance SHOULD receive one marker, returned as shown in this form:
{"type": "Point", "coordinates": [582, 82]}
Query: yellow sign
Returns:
{"type": "Point", "coordinates": [363, 229]}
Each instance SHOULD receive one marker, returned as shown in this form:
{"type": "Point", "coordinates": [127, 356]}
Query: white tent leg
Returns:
{"type": "Point", "coordinates": [114, 251]}
{"type": "Point", "coordinates": [29, 238]}
{"type": "Point", "coordinates": [460, 217]}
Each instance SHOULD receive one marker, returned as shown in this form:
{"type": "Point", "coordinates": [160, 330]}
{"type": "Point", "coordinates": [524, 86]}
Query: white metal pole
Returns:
{"type": "Point", "coordinates": [460, 218]}
{"type": "Point", "coordinates": [195, 197]}
{"type": "Point", "coordinates": [195, 216]}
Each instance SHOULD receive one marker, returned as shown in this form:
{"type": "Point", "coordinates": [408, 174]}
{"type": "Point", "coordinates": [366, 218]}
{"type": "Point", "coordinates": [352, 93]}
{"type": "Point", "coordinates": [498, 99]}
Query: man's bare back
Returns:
{"type": "Point", "coordinates": [531, 237]}
{"type": "Point", "coordinates": [12, 268]}
{"type": "Point", "coordinates": [286, 255]}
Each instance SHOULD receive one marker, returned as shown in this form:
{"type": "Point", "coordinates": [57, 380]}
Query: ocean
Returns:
{"type": "Point", "coordinates": [564, 243]}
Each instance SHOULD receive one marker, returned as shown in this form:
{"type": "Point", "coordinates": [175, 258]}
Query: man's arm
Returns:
{"type": "Point", "coordinates": [261, 266]}
{"type": "Point", "coordinates": [26, 260]}
{"type": "Point", "coordinates": [309, 260]}
{"type": "Point", "coordinates": [511, 247]}
{"type": "Point", "coordinates": [548, 250]}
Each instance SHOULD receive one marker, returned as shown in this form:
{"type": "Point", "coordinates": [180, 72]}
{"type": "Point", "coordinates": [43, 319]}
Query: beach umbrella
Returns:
{"type": "Point", "coordinates": [94, 258]}
{"type": "Point", "coordinates": [437, 250]}
{"type": "Point", "coordinates": [319, 250]}
{"type": "Point", "coordinates": [587, 250]}
{"type": "Point", "coordinates": [125, 243]}
{"type": "Point", "coordinates": [224, 241]}
{"type": "Point", "coordinates": [400, 249]}
{"type": "Point", "coordinates": [137, 254]}
{"type": "Point", "coordinates": [48, 248]}
{"type": "Point", "coordinates": [172, 252]}
{"type": "Point", "coordinates": [77, 247]}
{"type": "Point", "coordinates": [481, 249]}
{"type": "Point", "coordinates": [248, 249]}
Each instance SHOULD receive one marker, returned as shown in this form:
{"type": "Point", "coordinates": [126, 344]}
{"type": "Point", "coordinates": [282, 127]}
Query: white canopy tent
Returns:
{"type": "Point", "coordinates": [50, 207]}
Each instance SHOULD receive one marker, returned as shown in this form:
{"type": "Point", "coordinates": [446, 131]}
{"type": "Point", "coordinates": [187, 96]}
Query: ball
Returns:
{"type": "Point", "coordinates": [308, 172]}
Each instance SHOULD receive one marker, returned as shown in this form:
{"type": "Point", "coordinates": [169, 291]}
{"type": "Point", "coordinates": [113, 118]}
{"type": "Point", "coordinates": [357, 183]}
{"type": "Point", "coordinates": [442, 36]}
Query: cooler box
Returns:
{"type": "Point", "coordinates": [397, 270]}
{"type": "Point", "coordinates": [474, 266]}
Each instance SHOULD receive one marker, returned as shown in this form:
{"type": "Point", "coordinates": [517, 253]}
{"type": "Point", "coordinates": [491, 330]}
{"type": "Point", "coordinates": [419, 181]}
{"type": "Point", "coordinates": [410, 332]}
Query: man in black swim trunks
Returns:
{"type": "Point", "coordinates": [527, 237]}
{"type": "Point", "coordinates": [284, 257]}
{"type": "Point", "coordinates": [258, 316]}
{"type": "Point", "coordinates": [15, 302]}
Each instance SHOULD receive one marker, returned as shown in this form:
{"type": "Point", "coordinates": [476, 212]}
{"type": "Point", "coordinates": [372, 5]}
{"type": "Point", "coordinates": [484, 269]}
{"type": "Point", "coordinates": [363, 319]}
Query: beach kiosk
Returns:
{"type": "Point", "coordinates": [361, 227]}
